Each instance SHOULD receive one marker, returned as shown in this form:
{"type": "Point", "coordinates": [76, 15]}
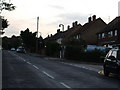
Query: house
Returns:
{"type": "Point", "coordinates": [60, 35]}
{"type": "Point", "coordinates": [110, 35]}
{"type": "Point", "coordinates": [89, 30]}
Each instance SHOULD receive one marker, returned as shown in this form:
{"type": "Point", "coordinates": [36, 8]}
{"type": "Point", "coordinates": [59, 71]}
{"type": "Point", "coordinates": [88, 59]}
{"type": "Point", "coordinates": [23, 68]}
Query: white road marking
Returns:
{"type": "Point", "coordinates": [79, 66]}
{"type": "Point", "coordinates": [65, 85]}
{"type": "Point", "coordinates": [48, 75]}
{"type": "Point", "coordinates": [28, 62]}
{"type": "Point", "coordinates": [35, 67]}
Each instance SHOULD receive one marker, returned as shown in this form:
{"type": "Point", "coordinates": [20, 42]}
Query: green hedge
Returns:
{"type": "Point", "coordinates": [52, 49]}
{"type": "Point", "coordinates": [76, 53]}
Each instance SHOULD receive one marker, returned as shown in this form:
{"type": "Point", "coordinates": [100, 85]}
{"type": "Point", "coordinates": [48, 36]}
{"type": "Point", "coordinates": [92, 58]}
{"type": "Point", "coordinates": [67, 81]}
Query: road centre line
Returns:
{"type": "Point", "coordinates": [35, 66]}
{"type": "Point", "coordinates": [28, 62]}
{"type": "Point", "coordinates": [48, 75]}
{"type": "Point", "coordinates": [65, 85]}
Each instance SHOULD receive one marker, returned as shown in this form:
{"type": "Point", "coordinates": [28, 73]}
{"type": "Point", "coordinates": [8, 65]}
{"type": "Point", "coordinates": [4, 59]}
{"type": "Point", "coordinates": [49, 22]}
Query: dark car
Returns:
{"type": "Point", "coordinates": [112, 62]}
{"type": "Point", "coordinates": [21, 50]}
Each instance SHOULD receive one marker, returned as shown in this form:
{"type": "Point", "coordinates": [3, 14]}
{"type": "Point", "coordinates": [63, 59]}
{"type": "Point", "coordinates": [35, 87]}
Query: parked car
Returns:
{"type": "Point", "coordinates": [21, 50]}
{"type": "Point", "coordinates": [112, 62]}
{"type": "Point", "coordinates": [12, 49]}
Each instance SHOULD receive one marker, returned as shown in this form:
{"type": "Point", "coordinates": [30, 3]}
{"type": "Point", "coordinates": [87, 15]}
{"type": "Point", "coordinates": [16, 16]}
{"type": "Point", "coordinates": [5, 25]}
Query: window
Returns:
{"type": "Point", "coordinates": [115, 32]}
{"type": "Point", "coordinates": [99, 36]}
{"type": "Point", "coordinates": [110, 34]}
{"type": "Point", "coordinates": [109, 53]}
{"type": "Point", "coordinates": [103, 35]}
{"type": "Point", "coordinates": [114, 53]}
{"type": "Point", "coordinates": [78, 36]}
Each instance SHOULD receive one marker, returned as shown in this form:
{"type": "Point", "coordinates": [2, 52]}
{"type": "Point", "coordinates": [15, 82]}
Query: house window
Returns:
{"type": "Point", "coordinates": [103, 35]}
{"type": "Point", "coordinates": [78, 36]}
{"type": "Point", "coordinates": [110, 34]}
{"type": "Point", "coordinates": [115, 32]}
{"type": "Point", "coordinates": [99, 36]}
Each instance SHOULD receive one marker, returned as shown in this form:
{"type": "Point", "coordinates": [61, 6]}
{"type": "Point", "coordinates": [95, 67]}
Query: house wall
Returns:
{"type": "Point", "coordinates": [89, 35]}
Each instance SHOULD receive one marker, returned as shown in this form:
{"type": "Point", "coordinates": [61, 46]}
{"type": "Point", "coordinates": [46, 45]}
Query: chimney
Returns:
{"type": "Point", "coordinates": [73, 24]}
{"type": "Point", "coordinates": [51, 35]}
{"type": "Point", "coordinates": [94, 17]}
{"type": "Point", "coordinates": [76, 23]}
{"type": "Point", "coordinates": [68, 27]}
{"type": "Point", "coordinates": [48, 36]}
{"type": "Point", "coordinates": [58, 31]}
{"type": "Point", "coordinates": [89, 19]}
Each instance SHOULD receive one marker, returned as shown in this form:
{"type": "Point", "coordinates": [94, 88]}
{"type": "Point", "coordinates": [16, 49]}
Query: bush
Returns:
{"type": "Point", "coordinates": [73, 52]}
{"type": "Point", "coordinates": [76, 53]}
{"type": "Point", "coordinates": [52, 49]}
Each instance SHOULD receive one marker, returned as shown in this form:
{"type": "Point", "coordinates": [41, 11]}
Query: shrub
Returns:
{"type": "Point", "coordinates": [76, 53]}
{"type": "Point", "coordinates": [52, 49]}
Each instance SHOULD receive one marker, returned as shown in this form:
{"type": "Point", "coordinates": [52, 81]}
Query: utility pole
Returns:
{"type": "Point", "coordinates": [37, 34]}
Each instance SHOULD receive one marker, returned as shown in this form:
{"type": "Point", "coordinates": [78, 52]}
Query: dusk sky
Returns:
{"type": "Point", "coordinates": [54, 12]}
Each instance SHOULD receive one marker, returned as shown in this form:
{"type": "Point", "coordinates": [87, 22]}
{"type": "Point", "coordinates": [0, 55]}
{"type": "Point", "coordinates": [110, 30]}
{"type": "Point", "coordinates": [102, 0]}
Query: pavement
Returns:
{"type": "Point", "coordinates": [97, 67]}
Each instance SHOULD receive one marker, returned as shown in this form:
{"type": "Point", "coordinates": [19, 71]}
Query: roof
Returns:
{"type": "Point", "coordinates": [71, 31]}
{"type": "Point", "coordinates": [114, 24]}
{"type": "Point", "coordinates": [64, 34]}
{"type": "Point", "coordinates": [89, 30]}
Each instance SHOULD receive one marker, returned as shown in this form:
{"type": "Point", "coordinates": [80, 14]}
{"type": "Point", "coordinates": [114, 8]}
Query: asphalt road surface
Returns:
{"type": "Point", "coordinates": [26, 71]}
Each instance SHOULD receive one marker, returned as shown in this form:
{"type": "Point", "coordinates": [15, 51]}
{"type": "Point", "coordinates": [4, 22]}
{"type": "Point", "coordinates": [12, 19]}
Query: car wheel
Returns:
{"type": "Point", "coordinates": [106, 72]}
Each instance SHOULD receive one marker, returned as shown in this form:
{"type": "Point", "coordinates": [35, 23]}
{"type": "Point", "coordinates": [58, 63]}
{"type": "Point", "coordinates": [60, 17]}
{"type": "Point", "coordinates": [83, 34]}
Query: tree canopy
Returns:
{"type": "Point", "coordinates": [29, 39]}
{"type": "Point", "coordinates": [4, 5]}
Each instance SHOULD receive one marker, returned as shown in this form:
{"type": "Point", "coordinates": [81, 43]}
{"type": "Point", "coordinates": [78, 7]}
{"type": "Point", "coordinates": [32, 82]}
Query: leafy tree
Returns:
{"type": "Point", "coordinates": [4, 23]}
{"type": "Point", "coordinates": [74, 42]}
{"type": "Point", "coordinates": [13, 42]}
{"type": "Point", "coordinates": [6, 6]}
{"type": "Point", "coordinates": [29, 39]}
{"type": "Point", "coordinates": [52, 49]}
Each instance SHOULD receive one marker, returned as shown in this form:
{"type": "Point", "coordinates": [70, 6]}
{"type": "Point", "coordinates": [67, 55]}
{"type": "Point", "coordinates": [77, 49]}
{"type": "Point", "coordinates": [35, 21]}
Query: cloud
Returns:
{"type": "Point", "coordinates": [71, 17]}
{"type": "Point", "coordinates": [56, 7]}
{"type": "Point", "coordinates": [68, 19]}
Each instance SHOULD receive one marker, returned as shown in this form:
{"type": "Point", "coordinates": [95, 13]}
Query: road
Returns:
{"type": "Point", "coordinates": [27, 71]}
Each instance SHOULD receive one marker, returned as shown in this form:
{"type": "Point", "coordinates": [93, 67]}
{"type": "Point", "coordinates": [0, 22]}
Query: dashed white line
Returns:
{"type": "Point", "coordinates": [48, 75]}
{"type": "Point", "coordinates": [28, 62]}
{"type": "Point", "coordinates": [35, 67]}
{"type": "Point", "coordinates": [65, 85]}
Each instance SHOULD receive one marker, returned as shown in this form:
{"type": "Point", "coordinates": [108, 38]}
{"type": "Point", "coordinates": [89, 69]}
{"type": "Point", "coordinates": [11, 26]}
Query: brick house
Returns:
{"type": "Point", "coordinates": [89, 30]}
{"type": "Point", "coordinates": [60, 35]}
{"type": "Point", "coordinates": [110, 35]}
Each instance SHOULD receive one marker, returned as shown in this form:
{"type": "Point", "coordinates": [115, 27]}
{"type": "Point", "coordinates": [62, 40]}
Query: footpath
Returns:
{"type": "Point", "coordinates": [85, 65]}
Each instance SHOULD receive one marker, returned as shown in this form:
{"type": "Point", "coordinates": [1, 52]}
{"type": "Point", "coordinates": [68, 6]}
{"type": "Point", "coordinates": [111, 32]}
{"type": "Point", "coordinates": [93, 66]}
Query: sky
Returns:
{"type": "Point", "coordinates": [51, 13]}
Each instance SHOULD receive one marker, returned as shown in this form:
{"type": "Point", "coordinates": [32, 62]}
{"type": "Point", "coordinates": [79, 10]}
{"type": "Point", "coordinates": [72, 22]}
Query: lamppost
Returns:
{"type": "Point", "coordinates": [62, 26]}
{"type": "Point", "coordinates": [62, 46]}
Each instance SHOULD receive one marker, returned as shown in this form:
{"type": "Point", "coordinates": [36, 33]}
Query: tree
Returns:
{"type": "Point", "coordinates": [29, 39]}
{"type": "Point", "coordinates": [13, 42]}
{"type": "Point", "coordinates": [4, 5]}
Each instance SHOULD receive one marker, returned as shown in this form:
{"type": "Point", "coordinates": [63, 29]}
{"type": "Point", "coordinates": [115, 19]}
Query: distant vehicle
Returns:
{"type": "Point", "coordinates": [112, 62]}
{"type": "Point", "coordinates": [21, 50]}
{"type": "Point", "coordinates": [12, 49]}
